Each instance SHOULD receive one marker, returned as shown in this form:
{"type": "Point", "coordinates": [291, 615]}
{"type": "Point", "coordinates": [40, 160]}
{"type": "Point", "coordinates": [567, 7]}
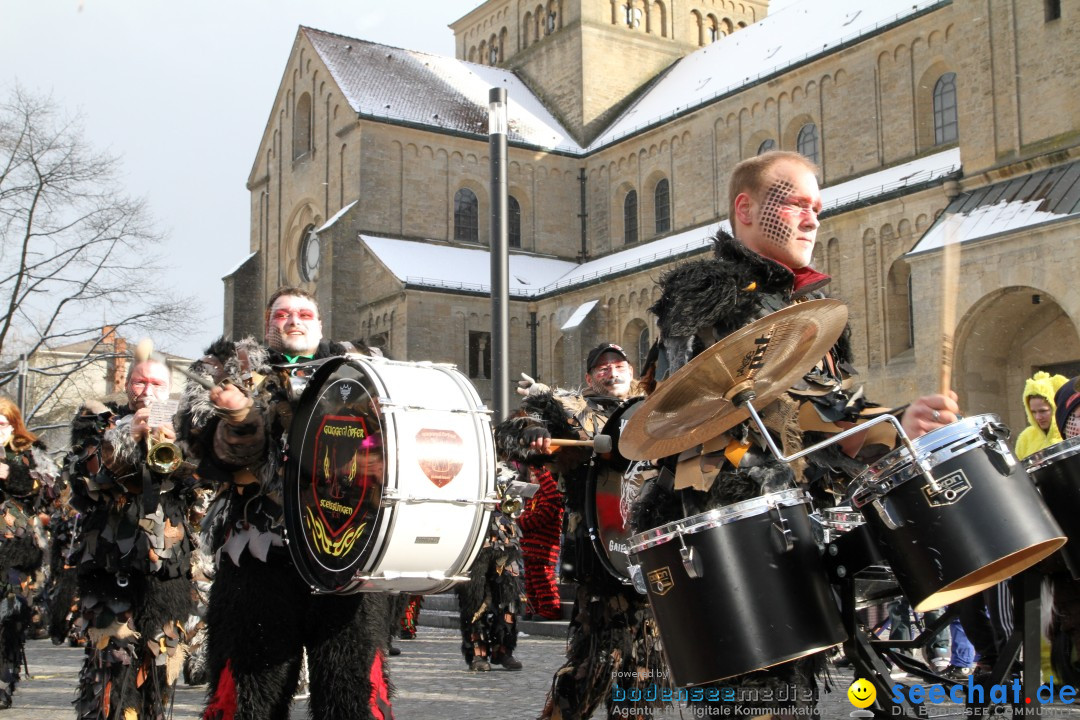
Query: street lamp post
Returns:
{"type": "Point", "coordinates": [500, 257]}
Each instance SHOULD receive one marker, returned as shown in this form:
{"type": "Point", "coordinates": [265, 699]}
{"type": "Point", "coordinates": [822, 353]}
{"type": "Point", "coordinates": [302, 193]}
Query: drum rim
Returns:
{"type": "Point", "coordinates": [717, 517]}
{"type": "Point", "coordinates": [1055, 453]}
{"type": "Point", "coordinates": [897, 467]}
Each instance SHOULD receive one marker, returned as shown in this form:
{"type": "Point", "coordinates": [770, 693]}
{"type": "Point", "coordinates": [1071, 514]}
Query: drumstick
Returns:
{"type": "Point", "coordinates": [600, 443]}
{"type": "Point", "coordinates": [950, 271]}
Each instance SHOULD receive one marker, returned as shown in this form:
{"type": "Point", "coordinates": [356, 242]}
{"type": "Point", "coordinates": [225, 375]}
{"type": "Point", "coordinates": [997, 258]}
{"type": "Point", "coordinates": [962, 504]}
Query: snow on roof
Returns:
{"type": "Point", "coordinates": [1021, 202]}
{"type": "Point", "coordinates": [438, 265]}
{"type": "Point", "coordinates": [801, 31]}
{"type": "Point", "coordinates": [450, 267]}
{"type": "Point", "coordinates": [380, 81]}
{"type": "Point", "coordinates": [240, 264]}
{"type": "Point", "coordinates": [878, 183]}
{"type": "Point", "coordinates": [337, 216]}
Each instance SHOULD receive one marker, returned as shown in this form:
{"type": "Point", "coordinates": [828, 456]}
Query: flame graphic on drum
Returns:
{"type": "Point", "coordinates": [323, 542]}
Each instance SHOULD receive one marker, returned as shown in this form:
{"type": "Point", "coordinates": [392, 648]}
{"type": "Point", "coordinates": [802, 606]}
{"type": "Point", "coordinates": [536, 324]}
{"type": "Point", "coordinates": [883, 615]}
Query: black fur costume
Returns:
{"type": "Point", "coordinates": [261, 614]}
{"type": "Point", "coordinates": [20, 555]}
{"type": "Point", "coordinates": [490, 601]}
{"type": "Point", "coordinates": [701, 303]}
{"type": "Point", "coordinates": [611, 635]}
{"type": "Point", "coordinates": [132, 555]}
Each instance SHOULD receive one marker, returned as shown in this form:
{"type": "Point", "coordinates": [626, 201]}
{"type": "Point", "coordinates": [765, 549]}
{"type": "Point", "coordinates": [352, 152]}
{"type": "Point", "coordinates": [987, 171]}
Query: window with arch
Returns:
{"type": "Point", "coordinates": [631, 15]}
{"type": "Point", "coordinates": [551, 20]}
{"type": "Point", "coordinates": [301, 139]}
{"type": "Point", "coordinates": [807, 142]}
{"type": "Point", "coordinates": [642, 348]}
{"type": "Point", "coordinates": [493, 53]}
{"type": "Point", "coordinates": [308, 255]}
{"type": "Point", "coordinates": [479, 354]}
{"type": "Point", "coordinates": [945, 122]}
{"type": "Point", "coordinates": [714, 29]}
{"type": "Point", "coordinates": [766, 146]}
{"type": "Point", "coordinates": [527, 29]}
{"type": "Point", "coordinates": [630, 228]}
{"type": "Point", "coordinates": [662, 205]}
{"type": "Point", "coordinates": [514, 221]}
{"type": "Point", "coordinates": [466, 216]}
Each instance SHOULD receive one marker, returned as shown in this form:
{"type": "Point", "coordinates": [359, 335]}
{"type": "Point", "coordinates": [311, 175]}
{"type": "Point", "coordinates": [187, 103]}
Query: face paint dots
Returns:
{"type": "Point", "coordinates": [774, 225]}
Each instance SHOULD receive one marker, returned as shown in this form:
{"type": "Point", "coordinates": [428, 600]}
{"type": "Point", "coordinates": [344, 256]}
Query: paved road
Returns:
{"type": "Point", "coordinates": [431, 678]}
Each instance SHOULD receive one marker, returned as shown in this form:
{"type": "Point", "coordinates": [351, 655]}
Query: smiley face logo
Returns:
{"type": "Point", "coordinates": [862, 693]}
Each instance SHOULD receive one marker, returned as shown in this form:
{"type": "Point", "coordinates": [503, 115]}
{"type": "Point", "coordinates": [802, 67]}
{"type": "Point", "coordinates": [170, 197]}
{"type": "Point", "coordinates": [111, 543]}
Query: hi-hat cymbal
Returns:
{"type": "Point", "coordinates": [762, 360]}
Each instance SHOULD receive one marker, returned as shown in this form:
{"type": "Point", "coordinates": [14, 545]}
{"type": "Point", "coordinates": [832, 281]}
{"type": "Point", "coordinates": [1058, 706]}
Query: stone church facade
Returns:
{"type": "Point", "coordinates": [957, 117]}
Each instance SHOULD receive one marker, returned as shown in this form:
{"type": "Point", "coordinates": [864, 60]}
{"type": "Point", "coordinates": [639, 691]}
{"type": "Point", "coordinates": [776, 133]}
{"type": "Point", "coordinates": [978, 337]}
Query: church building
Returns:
{"type": "Point", "coordinates": [931, 121]}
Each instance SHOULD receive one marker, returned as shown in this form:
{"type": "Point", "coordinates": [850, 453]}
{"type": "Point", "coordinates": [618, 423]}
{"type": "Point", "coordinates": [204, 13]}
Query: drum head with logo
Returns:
{"type": "Point", "coordinates": [335, 474]}
{"type": "Point", "coordinates": [604, 497]}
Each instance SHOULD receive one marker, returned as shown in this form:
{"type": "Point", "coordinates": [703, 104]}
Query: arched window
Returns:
{"type": "Point", "coordinates": [493, 53]}
{"type": "Point", "coordinates": [309, 255]}
{"type": "Point", "coordinates": [714, 29]}
{"type": "Point", "coordinates": [662, 204]}
{"type": "Point", "coordinates": [631, 15]}
{"type": "Point", "coordinates": [466, 216]}
{"type": "Point", "coordinates": [807, 143]}
{"type": "Point", "coordinates": [642, 348]}
{"type": "Point", "coordinates": [766, 146]}
{"type": "Point", "coordinates": [551, 21]}
{"type": "Point", "coordinates": [514, 221]}
{"type": "Point", "coordinates": [301, 138]}
{"type": "Point", "coordinates": [945, 124]}
{"type": "Point", "coordinates": [630, 217]}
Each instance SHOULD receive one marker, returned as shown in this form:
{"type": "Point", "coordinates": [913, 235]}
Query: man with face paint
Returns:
{"type": "Point", "coordinates": [608, 641]}
{"type": "Point", "coordinates": [262, 616]}
{"type": "Point", "coordinates": [774, 202]}
{"type": "Point", "coordinates": [132, 551]}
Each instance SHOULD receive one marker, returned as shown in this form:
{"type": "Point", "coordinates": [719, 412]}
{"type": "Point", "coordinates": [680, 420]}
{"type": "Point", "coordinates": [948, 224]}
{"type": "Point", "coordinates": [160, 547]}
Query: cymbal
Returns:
{"type": "Point", "coordinates": [761, 361]}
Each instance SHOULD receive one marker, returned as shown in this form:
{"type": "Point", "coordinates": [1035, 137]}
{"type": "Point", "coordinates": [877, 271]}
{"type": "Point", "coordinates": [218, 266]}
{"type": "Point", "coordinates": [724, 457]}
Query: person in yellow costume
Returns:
{"type": "Point", "coordinates": [1042, 431]}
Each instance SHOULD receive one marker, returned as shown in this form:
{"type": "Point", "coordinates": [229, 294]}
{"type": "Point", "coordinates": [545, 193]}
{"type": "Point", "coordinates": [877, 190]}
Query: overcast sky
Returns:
{"type": "Point", "coordinates": [181, 91]}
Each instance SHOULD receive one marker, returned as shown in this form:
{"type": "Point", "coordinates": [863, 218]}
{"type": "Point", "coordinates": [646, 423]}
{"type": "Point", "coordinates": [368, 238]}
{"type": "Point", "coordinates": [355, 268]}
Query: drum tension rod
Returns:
{"type": "Point", "coordinates": [745, 398]}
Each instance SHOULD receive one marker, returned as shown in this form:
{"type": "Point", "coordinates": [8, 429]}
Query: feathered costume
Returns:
{"type": "Point", "coordinates": [132, 555]}
{"type": "Point", "coordinates": [261, 614]}
{"type": "Point", "coordinates": [611, 637]}
{"type": "Point", "coordinates": [701, 303]}
{"type": "Point", "coordinates": [29, 470]}
{"type": "Point", "coordinates": [490, 602]}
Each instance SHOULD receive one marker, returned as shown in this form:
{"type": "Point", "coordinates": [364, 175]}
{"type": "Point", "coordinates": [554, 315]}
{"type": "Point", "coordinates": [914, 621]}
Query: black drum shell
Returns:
{"type": "Point", "coordinates": [605, 478]}
{"type": "Point", "coordinates": [1056, 473]}
{"type": "Point", "coordinates": [755, 605]}
{"type": "Point", "coordinates": [941, 554]}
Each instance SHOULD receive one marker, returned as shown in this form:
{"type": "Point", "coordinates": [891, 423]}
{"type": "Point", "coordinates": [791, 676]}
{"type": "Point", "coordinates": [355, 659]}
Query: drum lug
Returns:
{"type": "Point", "coordinates": [637, 579]}
{"type": "Point", "coordinates": [886, 518]}
{"type": "Point", "coordinates": [691, 562]}
{"type": "Point", "coordinates": [783, 531]}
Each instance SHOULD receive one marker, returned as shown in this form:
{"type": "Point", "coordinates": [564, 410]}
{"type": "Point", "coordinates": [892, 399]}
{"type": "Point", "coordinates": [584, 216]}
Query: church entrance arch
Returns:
{"type": "Point", "coordinates": [1004, 338]}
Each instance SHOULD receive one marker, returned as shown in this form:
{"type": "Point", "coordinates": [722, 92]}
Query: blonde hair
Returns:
{"type": "Point", "coordinates": [749, 175]}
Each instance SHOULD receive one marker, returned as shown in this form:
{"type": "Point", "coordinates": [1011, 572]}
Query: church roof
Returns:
{"type": "Point", "coordinates": [384, 82]}
{"type": "Point", "coordinates": [796, 34]}
{"type": "Point", "coordinates": [1022, 202]}
{"type": "Point", "coordinates": [438, 265]}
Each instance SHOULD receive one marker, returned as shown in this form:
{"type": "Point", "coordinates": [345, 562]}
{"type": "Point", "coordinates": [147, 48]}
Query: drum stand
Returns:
{"type": "Point", "coordinates": [856, 553]}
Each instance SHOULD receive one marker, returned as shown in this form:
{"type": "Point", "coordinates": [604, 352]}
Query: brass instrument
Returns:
{"type": "Point", "coordinates": [163, 456]}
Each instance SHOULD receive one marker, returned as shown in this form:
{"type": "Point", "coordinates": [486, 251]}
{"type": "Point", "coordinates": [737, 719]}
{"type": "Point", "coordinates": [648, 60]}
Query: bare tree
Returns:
{"type": "Point", "coordinates": [76, 252]}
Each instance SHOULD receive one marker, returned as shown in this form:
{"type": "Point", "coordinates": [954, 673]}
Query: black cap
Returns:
{"type": "Point", "coordinates": [599, 350]}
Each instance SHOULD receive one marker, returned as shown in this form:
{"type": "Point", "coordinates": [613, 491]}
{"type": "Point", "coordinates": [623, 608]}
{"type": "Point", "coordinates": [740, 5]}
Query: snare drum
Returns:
{"type": "Point", "coordinates": [1056, 473]}
{"type": "Point", "coordinates": [390, 477]}
{"type": "Point", "coordinates": [606, 501]}
{"type": "Point", "coordinates": [738, 588]}
{"type": "Point", "coordinates": [985, 521]}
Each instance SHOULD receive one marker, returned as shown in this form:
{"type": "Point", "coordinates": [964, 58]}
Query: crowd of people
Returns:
{"type": "Point", "coordinates": [145, 503]}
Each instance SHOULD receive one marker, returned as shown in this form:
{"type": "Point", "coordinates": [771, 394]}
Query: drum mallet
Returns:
{"type": "Point", "coordinates": [600, 444]}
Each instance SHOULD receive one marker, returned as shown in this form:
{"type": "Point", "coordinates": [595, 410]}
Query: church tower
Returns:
{"type": "Point", "coordinates": [588, 58]}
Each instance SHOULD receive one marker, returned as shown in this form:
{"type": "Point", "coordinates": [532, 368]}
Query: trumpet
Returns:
{"type": "Point", "coordinates": [162, 456]}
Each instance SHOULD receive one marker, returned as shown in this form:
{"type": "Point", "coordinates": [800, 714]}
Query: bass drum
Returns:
{"type": "Point", "coordinates": [606, 502]}
{"type": "Point", "coordinates": [389, 477]}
